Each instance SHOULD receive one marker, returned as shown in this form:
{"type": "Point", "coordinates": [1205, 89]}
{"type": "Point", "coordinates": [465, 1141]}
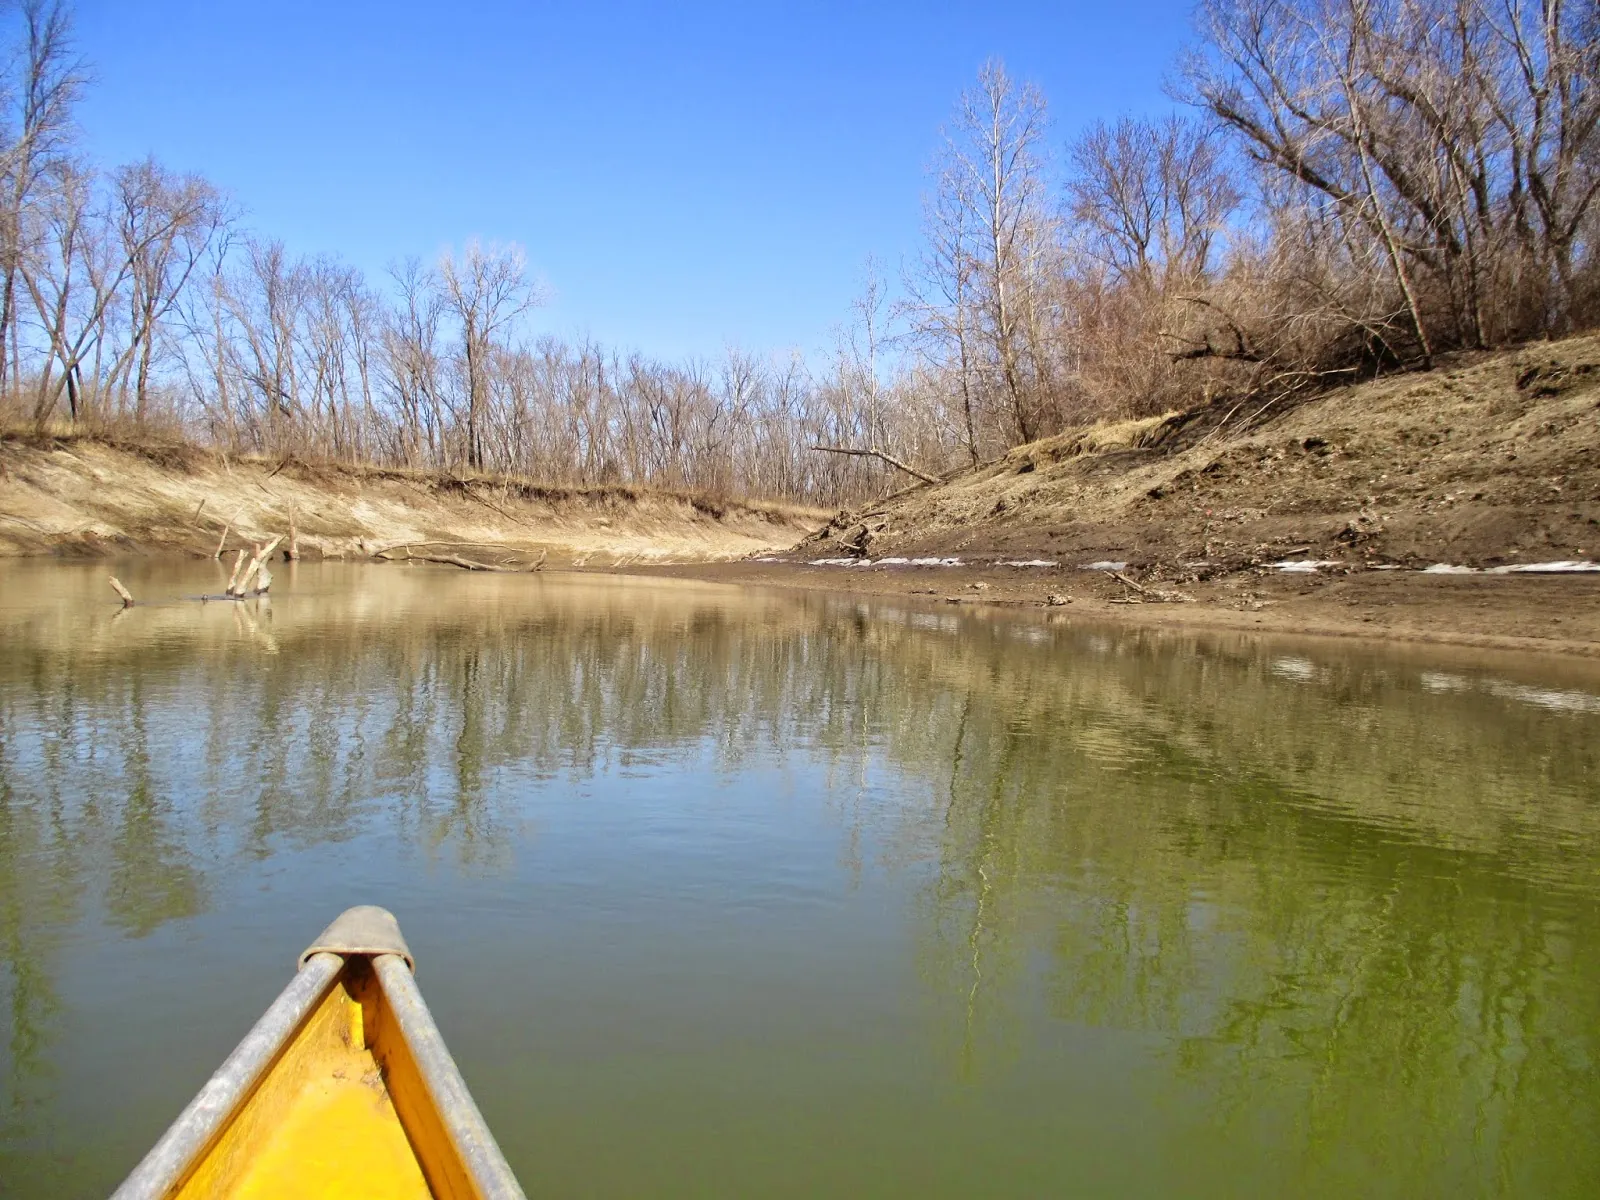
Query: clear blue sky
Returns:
{"type": "Point", "coordinates": [684, 176]}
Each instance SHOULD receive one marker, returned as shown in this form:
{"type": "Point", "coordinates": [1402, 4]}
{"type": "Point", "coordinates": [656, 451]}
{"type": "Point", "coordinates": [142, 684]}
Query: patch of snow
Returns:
{"type": "Point", "coordinates": [830, 562]}
{"type": "Point", "coordinates": [1565, 567]}
{"type": "Point", "coordinates": [1030, 562]}
{"type": "Point", "coordinates": [893, 562]}
{"type": "Point", "coordinates": [1104, 566]}
{"type": "Point", "coordinates": [1305, 566]}
{"type": "Point", "coordinates": [935, 562]}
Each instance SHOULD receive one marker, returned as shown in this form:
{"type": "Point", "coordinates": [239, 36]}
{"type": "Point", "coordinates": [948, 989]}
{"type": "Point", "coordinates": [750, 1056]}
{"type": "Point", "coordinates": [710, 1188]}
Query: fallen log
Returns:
{"type": "Point", "coordinates": [387, 554]}
{"type": "Point", "coordinates": [466, 564]}
{"type": "Point", "coordinates": [386, 551]}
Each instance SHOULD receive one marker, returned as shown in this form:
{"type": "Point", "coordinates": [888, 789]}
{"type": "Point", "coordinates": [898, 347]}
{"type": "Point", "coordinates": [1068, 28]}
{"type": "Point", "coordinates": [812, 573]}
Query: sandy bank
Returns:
{"type": "Point", "coordinates": [80, 496]}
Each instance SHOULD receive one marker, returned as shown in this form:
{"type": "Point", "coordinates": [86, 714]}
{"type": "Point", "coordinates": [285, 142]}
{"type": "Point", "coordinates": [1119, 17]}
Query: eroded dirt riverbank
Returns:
{"type": "Point", "coordinates": [82, 497]}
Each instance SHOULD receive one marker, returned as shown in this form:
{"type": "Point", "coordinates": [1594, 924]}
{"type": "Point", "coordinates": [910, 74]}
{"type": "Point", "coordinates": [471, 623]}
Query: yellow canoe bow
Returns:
{"type": "Point", "coordinates": [343, 1088]}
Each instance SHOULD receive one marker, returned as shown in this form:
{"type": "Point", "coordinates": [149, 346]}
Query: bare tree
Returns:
{"type": "Point", "coordinates": [42, 88]}
{"type": "Point", "coordinates": [166, 224]}
{"type": "Point", "coordinates": [941, 297]}
{"type": "Point", "coordinates": [1150, 200]}
{"type": "Point", "coordinates": [486, 289]}
{"type": "Point", "coordinates": [411, 361]}
{"type": "Point", "coordinates": [1458, 136]}
{"type": "Point", "coordinates": [997, 149]}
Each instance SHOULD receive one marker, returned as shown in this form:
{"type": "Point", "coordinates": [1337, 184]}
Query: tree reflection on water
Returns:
{"type": "Point", "coordinates": [1342, 904]}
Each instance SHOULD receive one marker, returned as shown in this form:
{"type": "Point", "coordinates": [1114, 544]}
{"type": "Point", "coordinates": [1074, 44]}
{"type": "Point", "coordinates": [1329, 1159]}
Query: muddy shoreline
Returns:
{"type": "Point", "coordinates": [1555, 615]}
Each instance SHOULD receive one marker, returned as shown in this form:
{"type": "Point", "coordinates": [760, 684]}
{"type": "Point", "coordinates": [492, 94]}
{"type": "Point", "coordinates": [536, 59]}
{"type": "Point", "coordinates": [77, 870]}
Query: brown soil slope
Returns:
{"type": "Point", "coordinates": [1481, 462]}
{"type": "Point", "coordinates": [82, 496]}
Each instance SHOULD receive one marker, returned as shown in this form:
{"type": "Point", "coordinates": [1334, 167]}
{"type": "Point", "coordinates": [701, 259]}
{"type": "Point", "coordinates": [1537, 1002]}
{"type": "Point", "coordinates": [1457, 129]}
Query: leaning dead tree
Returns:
{"type": "Point", "coordinates": [881, 456]}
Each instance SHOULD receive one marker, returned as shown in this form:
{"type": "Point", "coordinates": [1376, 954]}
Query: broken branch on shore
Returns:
{"type": "Point", "coordinates": [1126, 582]}
{"type": "Point", "coordinates": [881, 456]}
{"type": "Point", "coordinates": [1147, 595]}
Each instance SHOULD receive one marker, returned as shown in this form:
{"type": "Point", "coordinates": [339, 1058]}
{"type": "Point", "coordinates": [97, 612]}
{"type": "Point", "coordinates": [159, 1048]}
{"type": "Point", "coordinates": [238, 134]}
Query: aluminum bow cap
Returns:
{"type": "Point", "coordinates": [365, 930]}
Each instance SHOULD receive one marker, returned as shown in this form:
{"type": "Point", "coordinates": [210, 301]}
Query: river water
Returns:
{"type": "Point", "coordinates": [722, 893]}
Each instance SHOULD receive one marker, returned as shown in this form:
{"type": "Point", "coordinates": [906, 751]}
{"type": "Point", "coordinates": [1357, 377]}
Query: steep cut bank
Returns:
{"type": "Point", "coordinates": [79, 495]}
{"type": "Point", "coordinates": [1483, 463]}
{"type": "Point", "coordinates": [1323, 517]}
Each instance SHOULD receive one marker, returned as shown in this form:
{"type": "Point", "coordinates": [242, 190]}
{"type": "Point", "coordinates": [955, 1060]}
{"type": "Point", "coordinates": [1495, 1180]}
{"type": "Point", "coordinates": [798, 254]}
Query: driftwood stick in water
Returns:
{"type": "Point", "coordinates": [222, 541]}
{"type": "Point", "coordinates": [127, 596]}
{"type": "Point", "coordinates": [293, 550]}
{"type": "Point", "coordinates": [237, 587]}
{"type": "Point", "coordinates": [881, 457]}
{"type": "Point", "coordinates": [238, 570]}
{"type": "Point", "coordinates": [263, 580]}
{"type": "Point", "coordinates": [257, 563]}
{"type": "Point", "coordinates": [243, 585]}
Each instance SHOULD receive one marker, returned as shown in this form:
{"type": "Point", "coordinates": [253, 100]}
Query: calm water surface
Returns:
{"type": "Point", "coordinates": [739, 893]}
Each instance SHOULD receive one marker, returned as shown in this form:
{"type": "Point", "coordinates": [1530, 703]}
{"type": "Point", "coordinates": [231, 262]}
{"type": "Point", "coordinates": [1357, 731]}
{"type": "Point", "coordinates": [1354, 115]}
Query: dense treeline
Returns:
{"type": "Point", "coordinates": [1356, 186]}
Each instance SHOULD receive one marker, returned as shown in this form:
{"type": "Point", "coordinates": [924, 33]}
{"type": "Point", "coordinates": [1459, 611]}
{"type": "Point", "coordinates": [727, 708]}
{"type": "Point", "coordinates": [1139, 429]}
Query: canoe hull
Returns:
{"type": "Point", "coordinates": [343, 1088]}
